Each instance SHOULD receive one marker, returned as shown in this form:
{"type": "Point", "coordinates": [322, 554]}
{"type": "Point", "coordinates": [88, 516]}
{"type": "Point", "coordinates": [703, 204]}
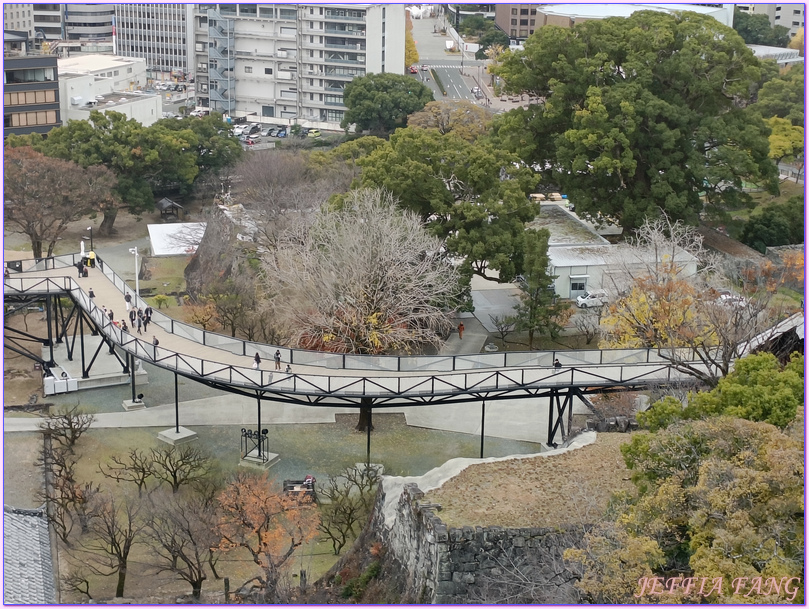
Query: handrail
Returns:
{"type": "Point", "coordinates": [428, 387]}
{"type": "Point", "coordinates": [350, 361]}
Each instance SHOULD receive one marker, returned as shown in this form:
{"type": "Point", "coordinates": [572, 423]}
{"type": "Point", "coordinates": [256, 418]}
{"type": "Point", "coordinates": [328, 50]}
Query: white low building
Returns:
{"type": "Point", "coordinates": [106, 82]}
{"type": "Point", "coordinates": [584, 261]}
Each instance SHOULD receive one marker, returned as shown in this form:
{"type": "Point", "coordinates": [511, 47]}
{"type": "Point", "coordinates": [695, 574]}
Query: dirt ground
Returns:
{"type": "Point", "coordinates": [572, 488]}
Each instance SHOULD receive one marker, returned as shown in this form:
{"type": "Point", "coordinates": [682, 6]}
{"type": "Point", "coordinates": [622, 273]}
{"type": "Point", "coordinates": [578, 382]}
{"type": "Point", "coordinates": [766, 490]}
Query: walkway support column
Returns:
{"type": "Point", "coordinates": [131, 359]}
{"type": "Point", "coordinates": [176, 405]}
{"type": "Point", "coordinates": [482, 425]}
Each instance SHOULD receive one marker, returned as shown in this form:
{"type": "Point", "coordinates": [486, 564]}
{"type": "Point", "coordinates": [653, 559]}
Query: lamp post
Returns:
{"type": "Point", "coordinates": [134, 250]}
{"type": "Point", "coordinates": [90, 228]}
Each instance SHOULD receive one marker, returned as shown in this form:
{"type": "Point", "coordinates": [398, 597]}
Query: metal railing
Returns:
{"type": "Point", "coordinates": [342, 361]}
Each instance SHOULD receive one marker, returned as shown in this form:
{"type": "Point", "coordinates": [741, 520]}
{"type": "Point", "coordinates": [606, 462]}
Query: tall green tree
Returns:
{"type": "Point", "coordinates": [782, 96]}
{"type": "Point", "coordinates": [382, 102]}
{"type": "Point", "coordinates": [778, 224]}
{"type": "Point", "coordinates": [472, 194]}
{"type": "Point", "coordinates": [639, 114]}
{"type": "Point", "coordinates": [756, 29]}
{"type": "Point", "coordinates": [539, 311]}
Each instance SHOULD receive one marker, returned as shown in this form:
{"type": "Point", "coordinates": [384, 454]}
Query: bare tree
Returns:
{"type": "Point", "coordinates": [588, 322]}
{"type": "Point", "coordinates": [504, 324]}
{"type": "Point", "coordinates": [183, 535]}
{"type": "Point", "coordinates": [113, 533]}
{"type": "Point", "coordinates": [349, 500]}
{"type": "Point", "coordinates": [67, 425]}
{"type": "Point", "coordinates": [523, 577]}
{"type": "Point", "coordinates": [678, 300]}
{"type": "Point", "coordinates": [366, 278]}
{"type": "Point", "coordinates": [76, 580]}
{"type": "Point", "coordinates": [178, 465]}
{"type": "Point", "coordinates": [463, 118]}
{"type": "Point", "coordinates": [136, 468]}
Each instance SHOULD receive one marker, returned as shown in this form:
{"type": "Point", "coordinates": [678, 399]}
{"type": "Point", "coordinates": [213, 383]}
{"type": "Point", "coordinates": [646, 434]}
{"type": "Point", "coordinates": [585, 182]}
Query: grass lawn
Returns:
{"type": "Point", "coordinates": [167, 275]}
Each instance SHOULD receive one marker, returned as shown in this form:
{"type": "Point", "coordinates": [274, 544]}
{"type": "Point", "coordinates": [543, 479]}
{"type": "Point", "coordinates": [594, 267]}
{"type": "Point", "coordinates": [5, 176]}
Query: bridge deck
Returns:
{"type": "Point", "coordinates": [335, 379]}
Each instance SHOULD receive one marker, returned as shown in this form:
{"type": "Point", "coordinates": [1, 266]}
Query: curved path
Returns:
{"type": "Point", "coordinates": [326, 379]}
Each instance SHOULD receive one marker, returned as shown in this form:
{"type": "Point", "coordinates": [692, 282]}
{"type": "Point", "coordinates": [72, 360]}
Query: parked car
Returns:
{"type": "Point", "coordinates": [255, 138]}
{"type": "Point", "coordinates": [593, 298]}
{"type": "Point", "coordinates": [281, 133]}
{"type": "Point", "coordinates": [314, 133]}
{"type": "Point", "coordinates": [252, 129]}
{"type": "Point", "coordinates": [424, 68]}
{"type": "Point", "coordinates": [414, 70]}
{"type": "Point", "coordinates": [239, 129]}
{"type": "Point", "coordinates": [266, 131]}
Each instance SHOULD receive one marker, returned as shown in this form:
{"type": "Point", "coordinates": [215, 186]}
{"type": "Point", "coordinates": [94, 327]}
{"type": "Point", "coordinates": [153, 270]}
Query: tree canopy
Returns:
{"type": "Point", "coordinates": [382, 102]}
{"type": "Point", "coordinates": [782, 96]}
{"type": "Point", "coordinates": [756, 29]}
{"type": "Point", "coordinates": [639, 114]}
{"type": "Point", "coordinates": [169, 154]}
{"type": "Point", "coordinates": [365, 277]}
{"type": "Point", "coordinates": [472, 194]}
{"type": "Point", "coordinates": [43, 195]}
{"type": "Point", "coordinates": [777, 224]}
{"type": "Point", "coordinates": [463, 118]}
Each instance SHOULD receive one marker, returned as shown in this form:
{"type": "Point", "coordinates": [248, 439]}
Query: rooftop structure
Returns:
{"type": "Point", "coordinates": [28, 577]}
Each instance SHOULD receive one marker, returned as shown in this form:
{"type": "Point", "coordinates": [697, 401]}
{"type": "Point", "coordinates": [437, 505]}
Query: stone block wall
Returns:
{"type": "Point", "coordinates": [461, 565]}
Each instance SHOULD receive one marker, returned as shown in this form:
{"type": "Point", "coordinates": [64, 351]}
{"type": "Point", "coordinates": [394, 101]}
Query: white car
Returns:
{"type": "Point", "coordinates": [593, 298]}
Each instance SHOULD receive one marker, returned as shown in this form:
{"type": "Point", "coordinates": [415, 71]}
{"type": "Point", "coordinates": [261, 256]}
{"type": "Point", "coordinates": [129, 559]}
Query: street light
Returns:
{"type": "Point", "coordinates": [134, 250]}
{"type": "Point", "coordinates": [90, 228]}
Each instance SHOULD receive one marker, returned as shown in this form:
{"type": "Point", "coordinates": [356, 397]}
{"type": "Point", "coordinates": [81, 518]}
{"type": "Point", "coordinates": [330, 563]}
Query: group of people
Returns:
{"type": "Point", "coordinates": [140, 319]}
{"type": "Point", "coordinates": [276, 357]}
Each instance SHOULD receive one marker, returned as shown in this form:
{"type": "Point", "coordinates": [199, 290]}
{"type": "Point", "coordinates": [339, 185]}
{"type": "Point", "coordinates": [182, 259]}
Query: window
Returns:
{"type": "Point", "coordinates": [533, 11]}
{"type": "Point", "coordinates": [523, 33]}
{"type": "Point", "coordinates": [523, 11]}
{"type": "Point", "coordinates": [129, 70]}
{"type": "Point", "coordinates": [523, 21]}
{"type": "Point", "coordinates": [514, 11]}
{"type": "Point", "coordinates": [532, 31]}
{"type": "Point", "coordinates": [115, 73]}
{"type": "Point", "coordinates": [248, 69]}
{"type": "Point", "coordinates": [533, 21]}
{"type": "Point", "coordinates": [513, 22]}
{"type": "Point", "coordinates": [268, 111]}
{"type": "Point", "coordinates": [268, 70]}
{"type": "Point", "coordinates": [577, 285]}
{"type": "Point", "coordinates": [513, 32]}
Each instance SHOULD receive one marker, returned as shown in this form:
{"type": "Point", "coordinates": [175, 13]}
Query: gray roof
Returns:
{"type": "Point", "coordinates": [27, 563]}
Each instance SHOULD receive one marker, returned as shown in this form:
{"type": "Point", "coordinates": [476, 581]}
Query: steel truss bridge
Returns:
{"type": "Point", "coordinates": [318, 379]}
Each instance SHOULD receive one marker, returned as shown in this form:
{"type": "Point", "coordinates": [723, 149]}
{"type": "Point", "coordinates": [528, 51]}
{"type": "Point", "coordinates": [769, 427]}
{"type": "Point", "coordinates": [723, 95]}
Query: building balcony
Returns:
{"type": "Point", "coordinates": [348, 61]}
{"type": "Point", "coordinates": [331, 16]}
{"type": "Point", "coordinates": [335, 32]}
{"type": "Point", "coordinates": [356, 46]}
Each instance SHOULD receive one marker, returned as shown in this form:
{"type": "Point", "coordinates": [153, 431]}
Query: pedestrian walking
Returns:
{"type": "Point", "coordinates": [111, 316]}
{"type": "Point", "coordinates": [128, 300]}
{"type": "Point", "coordinates": [80, 267]}
{"type": "Point", "coordinates": [277, 358]}
{"type": "Point", "coordinates": [557, 363]}
{"type": "Point", "coordinates": [148, 313]}
{"type": "Point", "coordinates": [256, 362]}
{"type": "Point", "coordinates": [91, 259]}
{"type": "Point", "coordinates": [91, 294]}
{"type": "Point", "coordinates": [460, 330]}
{"type": "Point", "coordinates": [146, 321]}
{"type": "Point", "coordinates": [139, 323]}
{"type": "Point", "coordinates": [289, 369]}
{"type": "Point", "coordinates": [104, 309]}
{"type": "Point", "coordinates": [155, 342]}
{"type": "Point", "coordinates": [124, 327]}
{"type": "Point", "coordinates": [132, 315]}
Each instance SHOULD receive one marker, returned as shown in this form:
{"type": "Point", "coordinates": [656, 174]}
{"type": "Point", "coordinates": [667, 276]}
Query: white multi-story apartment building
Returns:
{"type": "Point", "coordinates": [162, 34]}
{"type": "Point", "coordinates": [292, 61]}
{"type": "Point", "coordinates": [791, 16]}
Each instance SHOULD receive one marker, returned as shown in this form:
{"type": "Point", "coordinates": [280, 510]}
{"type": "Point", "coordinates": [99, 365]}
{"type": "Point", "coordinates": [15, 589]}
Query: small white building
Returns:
{"type": "Point", "coordinates": [125, 73]}
{"type": "Point", "coordinates": [584, 261]}
{"type": "Point", "coordinates": [82, 93]}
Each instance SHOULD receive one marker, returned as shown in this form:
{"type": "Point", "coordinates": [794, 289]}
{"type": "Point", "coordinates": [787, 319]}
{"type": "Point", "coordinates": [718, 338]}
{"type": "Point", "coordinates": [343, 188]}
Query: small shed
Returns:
{"type": "Point", "coordinates": [169, 209]}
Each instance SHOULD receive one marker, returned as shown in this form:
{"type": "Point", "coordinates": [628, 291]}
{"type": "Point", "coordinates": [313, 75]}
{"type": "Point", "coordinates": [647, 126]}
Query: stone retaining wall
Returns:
{"type": "Point", "coordinates": [462, 565]}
